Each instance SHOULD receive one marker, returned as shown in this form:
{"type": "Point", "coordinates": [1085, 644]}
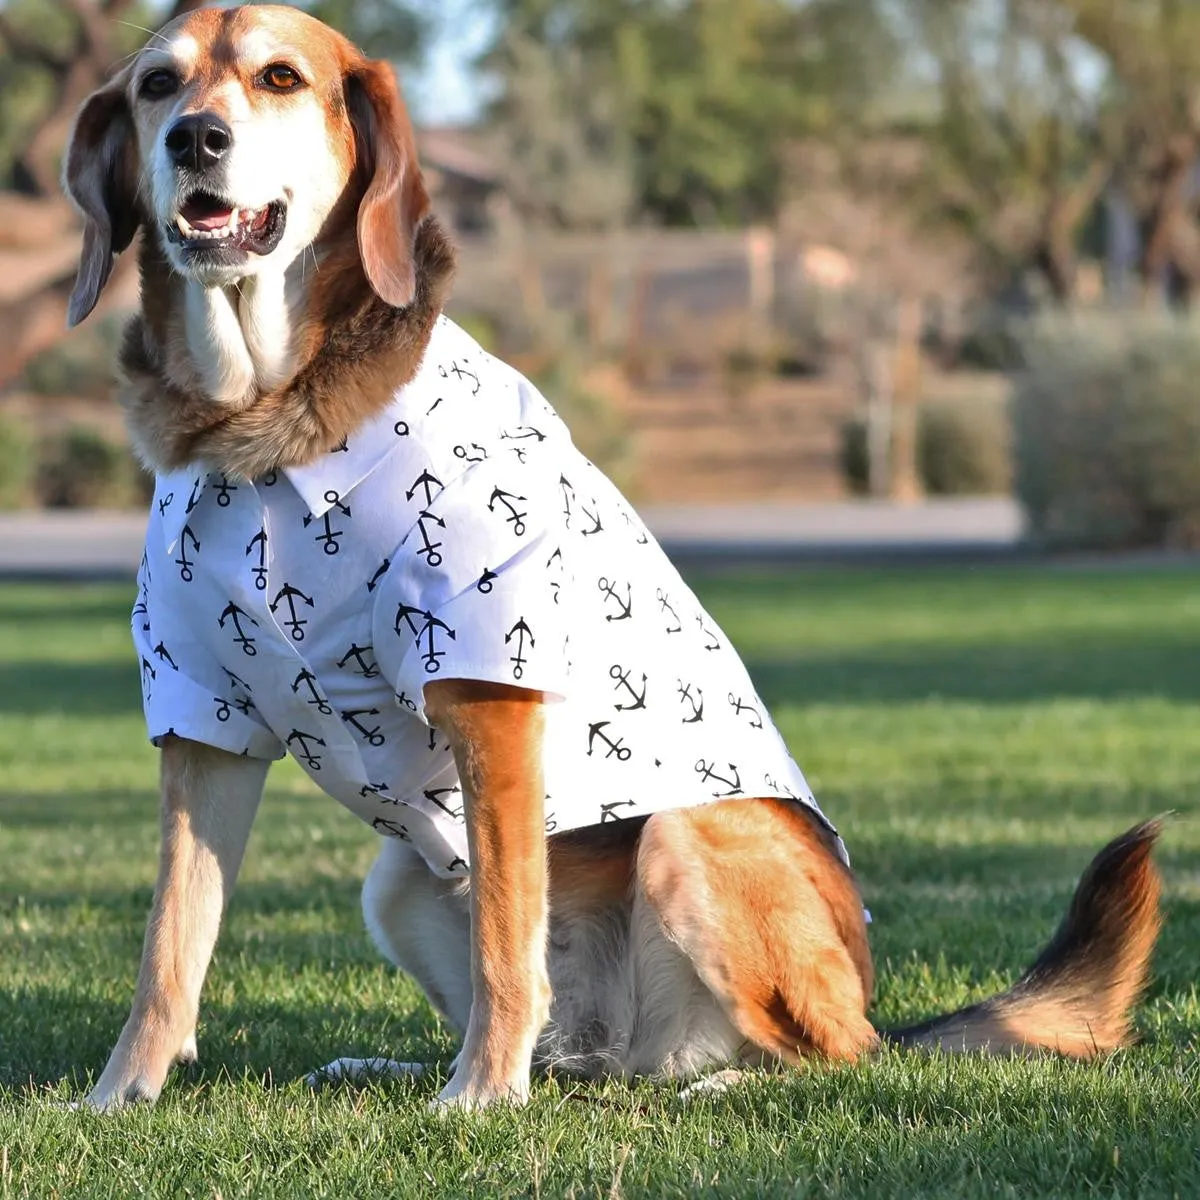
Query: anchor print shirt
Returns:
{"type": "Point", "coordinates": [459, 534]}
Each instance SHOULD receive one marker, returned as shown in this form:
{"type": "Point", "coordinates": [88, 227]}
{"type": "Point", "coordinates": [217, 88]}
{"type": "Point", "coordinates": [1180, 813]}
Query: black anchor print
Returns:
{"type": "Point", "coordinates": [778, 789]}
{"type": "Point", "coordinates": [149, 674]}
{"type": "Point", "coordinates": [380, 572]}
{"type": "Point", "coordinates": [624, 607]}
{"type": "Point", "coordinates": [427, 629]}
{"type": "Point", "coordinates": [739, 707]}
{"type": "Point", "coordinates": [198, 486]}
{"type": "Point", "coordinates": [401, 429]}
{"type": "Point", "coordinates": [707, 772]}
{"type": "Point", "coordinates": [223, 490]}
{"type": "Point", "coordinates": [328, 535]}
{"type": "Point", "coordinates": [225, 707]}
{"type": "Point", "coordinates": [484, 583]}
{"type": "Point", "coordinates": [373, 737]}
{"type": "Point", "coordinates": [606, 810]}
{"type": "Point", "coordinates": [372, 789]}
{"type": "Point", "coordinates": [237, 680]}
{"type": "Point", "coordinates": [568, 492]}
{"type": "Point", "coordinates": [476, 454]}
{"type": "Point", "coordinates": [621, 675]}
{"type": "Point", "coordinates": [305, 753]}
{"type": "Point", "coordinates": [642, 538]}
{"type": "Point", "coordinates": [556, 561]}
{"type": "Point", "coordinates": [165, 503]}
{"type": "Point", "coordinates": [183, 562]}
{"type": "Point", "coordinates": [404, 701]}
{"type": "Point", "coordinates": [426, 482]}
{"type": "Point", "coordinates": [713, 643]}
{"type": "Point", "coordinates": [163, 655]}
{"type": "Point", "coordinates": [695, 703]}
{"type": "Point", "coordinates": [260, 571]}
{"type": "Point", "coordinates": [551, 821]}
{"type": "Point", "coordinates": [520, 631]}
{"type": "Point", "coordinates": [664, 603]}
{"type": "Point", "coordinates": [461, 372]}
{"type": "Point", "coordinates": [309, 680]}
{"type": "Point", "coordinates": [514, 518]}
{"type": "Point", "coordinates": [456, 864]}
{"type": "Point", "coordinates": [292, 622]}
{"type": "Point", "coordinates": [594, 517]}
{"type": "Point", "coordinates": [368, 670]}
{"type": "Point", "coordinates": [434, 796]}
{"type": "Point", "coordinates": [522, 432]}
{"type": "Point", "coordinates": [431, 550]}
{"type": "Point", "coordinates": [596, 730]}
{"type": "Point", "coordinates": [390, 827]}
{"type": "Point", "coordinates": [232, 612]}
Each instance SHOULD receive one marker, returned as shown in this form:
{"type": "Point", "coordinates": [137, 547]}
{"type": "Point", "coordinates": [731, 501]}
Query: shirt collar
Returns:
{"type": "Point", "coordinates": [321, 484]}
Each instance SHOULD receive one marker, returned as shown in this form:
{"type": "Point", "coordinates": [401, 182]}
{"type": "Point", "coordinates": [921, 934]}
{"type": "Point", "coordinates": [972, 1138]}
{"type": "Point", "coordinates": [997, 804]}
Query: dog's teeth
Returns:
{"type": "Point", "coordinates": [182, 225]}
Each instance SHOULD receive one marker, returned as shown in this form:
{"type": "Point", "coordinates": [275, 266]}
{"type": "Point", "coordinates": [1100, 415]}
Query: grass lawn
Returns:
{"type": "Point", "coordinates": [976, 735]}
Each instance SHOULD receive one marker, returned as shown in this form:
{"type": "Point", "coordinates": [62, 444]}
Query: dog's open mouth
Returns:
{"type": "Point", "coordinates": [207, 224]}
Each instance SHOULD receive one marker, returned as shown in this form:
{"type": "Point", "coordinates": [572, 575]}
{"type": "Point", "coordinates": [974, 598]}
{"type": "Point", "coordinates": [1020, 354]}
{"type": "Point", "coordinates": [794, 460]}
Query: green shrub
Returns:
{"type": "Point", "coordinates": [17, 465]}
{"type": "Point", "coordinates": [1107, 427]}
{"type": "Point", "coordinates": [964, 448]}
{"type": "Point", "coordinates": [81, 468]}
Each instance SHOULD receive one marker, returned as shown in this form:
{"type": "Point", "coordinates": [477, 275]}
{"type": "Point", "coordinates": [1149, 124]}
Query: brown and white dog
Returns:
{"type": "Point", "coordinates": [717, 935]}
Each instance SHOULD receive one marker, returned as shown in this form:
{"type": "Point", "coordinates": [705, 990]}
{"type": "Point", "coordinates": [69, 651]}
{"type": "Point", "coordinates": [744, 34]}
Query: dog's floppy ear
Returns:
{"type": "Point", "coordinates": [395, 199]}
{"type": "Point", "coordinates": [100, 176]}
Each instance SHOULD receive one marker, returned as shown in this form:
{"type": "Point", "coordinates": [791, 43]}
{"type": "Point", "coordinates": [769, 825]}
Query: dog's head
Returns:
{"type": "Point", "coordinates": [239, 135]}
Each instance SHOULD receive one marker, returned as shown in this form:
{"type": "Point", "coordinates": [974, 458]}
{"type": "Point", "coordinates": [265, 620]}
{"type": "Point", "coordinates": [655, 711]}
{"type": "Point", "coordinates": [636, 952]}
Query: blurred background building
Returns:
{"type": "Point", "coordinates": [752, 249]}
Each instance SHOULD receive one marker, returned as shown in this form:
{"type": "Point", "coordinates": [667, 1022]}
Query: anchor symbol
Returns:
{"type": "Point", "coordinates": [194, 498]}
{"type": "Point", "coordinates": [373, 736]}
{"type": "Point", "coordinates": [380, 572]}
{"type": "Point", "coordinates": [514, 518]}
{"type": "Point", "coordinates": [165, 503]}
{"type": "Point", "coordinates": [372, 789]}
{"type": "Point", "coordinates": [520, 630]}
{"type": "Point", "coordinates": [434, 795]}
{"type": "Point", "coordinates": [685, 693]}
{"type": "Point", "coordinates": [427, 482]}
{"type": "Point", "coordinates": [485, 580]}
{"type": "Point", "coordinates": [594, 517]}
{"type": "Point", "coordinates": [625, 606]}
{"type": "Point", "coordinates": [294, 623]}
{"type": "Point", "coordinates": [460, 372]}
{"type": "Point", "coordinates": [618, 747]}
{"type": "Point", "coordinates": [365, 669]}
{"type": "Point", "coordinates": [260, 572]}
{"type": "Point", "coordinates": [707, 771]}
{"type": "Point", "coordinates": [223, 490]}
{"type": "Point", "coordinates": [466, 456]}
{"type": "Point", "coordinates": [183, 562]}
{"type": "Point", "coordinates": [236, 680]}
{"type": "Point", "coordinates": [311, 761]}
{"type": "Point", "coordinates": [429, 628]}
{"type": "Point", "coordinates": [642, 537]}
{"type": "Point", "coordinates": [664, 602]}
{"type": "Point", "coordinates": [568, 492]}
{"type": "Point", "coordinates": [739, 708]}
{"type": "Point", "coordinates": [430, 549]}
{"type": "Point", "coordinates": [400, 429]}
{"type": "Point", "coordinates": [606, 810]}
{"type": "Point", "coordinates": [715, 643]}
{"type": "Point", "coordinates": [307, 677]}
{"type": "Point", "coordinates": [393, 828]}
{"type": "Point", "coordinates": [243, 639]}
{"type": "Point", "coordinates": [776, 787]}
{"type": "Point", "coordinates": [328, 535]}
{"type": "Point", "coordinates": [164, 655]}
{"type": "Point", "coordinates": [550, 822]}
{"type": "Point", "coordinates": [456, 864]}
{"type": "Point", "coordinates": [402, 698]}
{"type": "Point", "coordinates": [224, 707]}
{"type": "Point", "coordinates": [617, 672]}
{"type": "Point", "coordinates": [554, 583]}
{"type": "Point", "coordinates": [530, 432]}
{"type": "Point", "coordinates": [148, 669]}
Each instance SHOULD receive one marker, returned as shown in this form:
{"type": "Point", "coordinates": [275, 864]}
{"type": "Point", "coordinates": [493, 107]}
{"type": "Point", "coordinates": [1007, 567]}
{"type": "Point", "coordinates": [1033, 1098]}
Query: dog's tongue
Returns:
{"type": "Point", "coordinates": [202, 213]}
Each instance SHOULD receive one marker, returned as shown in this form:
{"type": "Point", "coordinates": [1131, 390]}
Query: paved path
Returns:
{"type": "Point", "coordinates": [81, 545]}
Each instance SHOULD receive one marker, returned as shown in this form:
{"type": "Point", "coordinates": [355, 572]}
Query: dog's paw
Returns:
{"type": "Point", "coordinates": [363, 1070]}
{"type": "Point", "coordinates": [716, 1084]}
{"type": "Point", "coordinates": [112, 1098]}
{"type": "Point", "coordinates": [466, 1095]}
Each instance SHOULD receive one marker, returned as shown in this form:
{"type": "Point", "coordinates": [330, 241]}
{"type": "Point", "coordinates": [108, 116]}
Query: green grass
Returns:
{"type": "Point", "coordinates": [976, 735]}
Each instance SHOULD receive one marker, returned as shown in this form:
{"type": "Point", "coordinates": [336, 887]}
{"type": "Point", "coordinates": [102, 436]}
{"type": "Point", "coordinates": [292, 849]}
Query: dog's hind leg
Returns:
{"type": "Point", "coordinates": [209, 799]}
{"type": "Point", "coordinates": [753, 894]}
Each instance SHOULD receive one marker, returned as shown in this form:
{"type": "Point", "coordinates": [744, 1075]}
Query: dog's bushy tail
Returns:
{"type": "Point", "coordinates": [1076, 998]}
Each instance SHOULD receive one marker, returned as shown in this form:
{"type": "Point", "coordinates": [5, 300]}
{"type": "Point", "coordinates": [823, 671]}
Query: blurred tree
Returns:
{"type": "Point", "coordinates": [699, 97]}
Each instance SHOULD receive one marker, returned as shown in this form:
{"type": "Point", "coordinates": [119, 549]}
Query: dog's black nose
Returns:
{"type": "Point", "coordinates": [198, 141]}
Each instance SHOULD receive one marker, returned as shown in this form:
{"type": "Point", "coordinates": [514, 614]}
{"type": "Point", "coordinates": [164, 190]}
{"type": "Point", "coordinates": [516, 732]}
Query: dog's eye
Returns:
{"type": "Point", "coordinates": [280, 77]}
{"type": "Point", "coordinates": [156, 84]}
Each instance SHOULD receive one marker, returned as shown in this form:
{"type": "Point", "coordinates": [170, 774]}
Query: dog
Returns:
{"type": "Point", "coordinates": [374, 546]}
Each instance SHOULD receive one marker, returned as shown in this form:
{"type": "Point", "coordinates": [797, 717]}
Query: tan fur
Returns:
{"type": "Point", "coordinates": [496, 734]}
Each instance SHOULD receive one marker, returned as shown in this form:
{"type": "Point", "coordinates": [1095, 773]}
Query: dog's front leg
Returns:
{"type": "Point", "coordinates": [209, 799]}
{"type": "Point", "coordinates": [496, 734]}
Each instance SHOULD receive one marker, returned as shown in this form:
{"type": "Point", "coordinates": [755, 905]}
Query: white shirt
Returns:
{"type": "Point", "coordinates": [458, 534]}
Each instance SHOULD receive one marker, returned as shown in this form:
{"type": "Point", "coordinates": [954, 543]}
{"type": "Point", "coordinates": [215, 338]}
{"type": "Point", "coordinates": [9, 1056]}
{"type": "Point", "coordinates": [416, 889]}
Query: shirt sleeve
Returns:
{"type": "Point", "coordinates": [185, 691]}
{"type": "Point", "coordinates": [478, 590]}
